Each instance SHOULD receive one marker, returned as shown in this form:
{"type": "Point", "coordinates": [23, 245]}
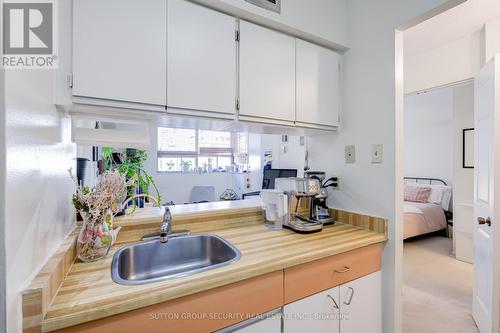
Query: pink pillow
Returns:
{"type": "Point", "coordinates": [417, 193]}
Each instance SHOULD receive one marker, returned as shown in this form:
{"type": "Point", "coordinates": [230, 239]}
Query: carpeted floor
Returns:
{"type": "Point", "coordinates": [437, 290]}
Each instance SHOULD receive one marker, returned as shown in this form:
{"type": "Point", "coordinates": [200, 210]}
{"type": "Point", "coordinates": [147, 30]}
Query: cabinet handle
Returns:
{"type": "Point", "coordinates": [345, 270]}
{"type": "Point", "coordinates": [350, 296]}
{"type": "Point", "coordinates": [335, 305]}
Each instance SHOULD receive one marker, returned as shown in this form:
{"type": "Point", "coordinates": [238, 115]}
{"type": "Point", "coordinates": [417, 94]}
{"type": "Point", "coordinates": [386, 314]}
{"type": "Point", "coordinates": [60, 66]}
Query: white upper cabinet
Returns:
{"type": "Point", "coordinates": [317, 85]}
{"type": "Point", "coordinates": [267, 74]}
{"type": "Point", "coordinates": [119, 50]}
{"type": "Point", "coordinates": [201, 62]}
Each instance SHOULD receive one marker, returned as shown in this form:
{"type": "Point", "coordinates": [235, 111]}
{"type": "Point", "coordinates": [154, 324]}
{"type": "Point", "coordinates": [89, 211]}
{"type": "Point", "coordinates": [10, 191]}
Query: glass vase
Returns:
{"type": "Point", "coordinates": [95, 239]}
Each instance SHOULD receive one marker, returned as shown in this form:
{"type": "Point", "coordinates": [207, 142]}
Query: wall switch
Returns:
{"type": "Point", "coordinates": [377, 153]}
{"type": "Point", "coordinates": [350, 154]}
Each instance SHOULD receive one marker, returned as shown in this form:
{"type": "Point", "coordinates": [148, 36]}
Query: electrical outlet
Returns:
{"type": "Point", "coordinates": [336, 187]}
{"type": "Point", "coordinates": [377, 153]}
{"type": "Point", "coordinates": [350, 154]}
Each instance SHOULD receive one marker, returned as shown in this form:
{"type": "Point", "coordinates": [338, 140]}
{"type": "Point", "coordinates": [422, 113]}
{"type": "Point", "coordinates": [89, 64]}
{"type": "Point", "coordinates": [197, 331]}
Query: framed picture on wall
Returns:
{"type": "Point", "coordinates": [468, 148]}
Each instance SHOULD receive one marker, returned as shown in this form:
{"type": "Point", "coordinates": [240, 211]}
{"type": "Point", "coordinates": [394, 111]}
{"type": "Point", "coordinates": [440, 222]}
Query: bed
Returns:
{"type": "Point", "coordinates": [428, 210]}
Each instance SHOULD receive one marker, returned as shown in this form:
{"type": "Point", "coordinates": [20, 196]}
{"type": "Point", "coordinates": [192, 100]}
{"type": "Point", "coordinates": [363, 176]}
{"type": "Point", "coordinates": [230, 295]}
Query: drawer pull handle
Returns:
{"type": "Point", "coordinates": [345, 270]}
{"type": "Point", "coordinates": [335, 305]}
{"type": "Point", "coordinates": [351, 294]}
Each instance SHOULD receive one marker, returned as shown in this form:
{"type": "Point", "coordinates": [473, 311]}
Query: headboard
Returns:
{"type": "Point", "coordinates": [431, 181]}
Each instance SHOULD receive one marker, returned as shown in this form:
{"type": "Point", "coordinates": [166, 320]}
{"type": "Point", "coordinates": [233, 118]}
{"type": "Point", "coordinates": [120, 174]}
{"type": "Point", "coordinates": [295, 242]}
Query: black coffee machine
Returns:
{"type": "Point", "coordinates": [319, 209]}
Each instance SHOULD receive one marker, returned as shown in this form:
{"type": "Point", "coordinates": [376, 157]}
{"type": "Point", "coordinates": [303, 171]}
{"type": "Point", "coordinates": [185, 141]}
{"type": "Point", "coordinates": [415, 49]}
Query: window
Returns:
{"type": "Point", "coordinates": [188, 150]}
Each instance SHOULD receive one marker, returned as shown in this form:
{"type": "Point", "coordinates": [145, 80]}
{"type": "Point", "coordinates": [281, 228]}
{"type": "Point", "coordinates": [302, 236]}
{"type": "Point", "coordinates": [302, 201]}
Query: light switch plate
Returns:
{"type": "Point", "coordinates": [377, 153]}
{"type": "Point", "coordinates": [350, 154]}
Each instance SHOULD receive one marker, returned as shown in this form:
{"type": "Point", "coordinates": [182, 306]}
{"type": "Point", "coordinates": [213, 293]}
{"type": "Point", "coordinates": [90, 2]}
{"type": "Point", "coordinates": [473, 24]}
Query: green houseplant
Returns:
{"type": "Point", "coordinates": [130, 163]}
{"type": "Point", "coordinates": [186, 165]}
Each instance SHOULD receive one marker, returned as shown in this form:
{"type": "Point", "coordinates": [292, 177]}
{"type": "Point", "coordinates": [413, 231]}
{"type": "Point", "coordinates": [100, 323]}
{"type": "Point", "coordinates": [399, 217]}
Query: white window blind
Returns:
{"type": "Point", "coordinates": [177, 140]}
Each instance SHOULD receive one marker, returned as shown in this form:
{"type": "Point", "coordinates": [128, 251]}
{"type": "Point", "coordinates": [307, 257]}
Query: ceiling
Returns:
{"type": "Point", "coordinates": [457, 22]}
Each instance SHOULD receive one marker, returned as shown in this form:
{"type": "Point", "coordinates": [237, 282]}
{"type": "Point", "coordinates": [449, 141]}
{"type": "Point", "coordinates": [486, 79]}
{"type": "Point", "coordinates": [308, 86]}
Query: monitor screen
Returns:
{"type": "Point", "coordinates": [270, 176]}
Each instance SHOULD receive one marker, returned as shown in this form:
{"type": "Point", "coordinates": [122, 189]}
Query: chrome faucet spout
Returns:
{"type": "Point", "coordinates": [166, 226]}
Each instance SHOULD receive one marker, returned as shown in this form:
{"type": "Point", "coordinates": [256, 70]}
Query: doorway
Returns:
{"type": "Point", "coordinates": [436, 67]}
{"type": "Point", "coordinates": [437, 211]}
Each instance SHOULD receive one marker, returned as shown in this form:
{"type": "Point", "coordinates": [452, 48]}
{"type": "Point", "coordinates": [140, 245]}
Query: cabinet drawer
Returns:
{"type": "Point", "coordinates": [310, 278]}
{"type": "Point", "coordinates": [206, 311]}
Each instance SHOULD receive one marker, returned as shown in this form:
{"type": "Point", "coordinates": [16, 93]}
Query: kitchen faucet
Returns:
{"type": "Point", "coordinates": [166, 226]}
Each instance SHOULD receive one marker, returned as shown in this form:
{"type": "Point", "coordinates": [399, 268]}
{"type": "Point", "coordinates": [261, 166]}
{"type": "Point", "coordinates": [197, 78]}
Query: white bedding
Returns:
{"type": "Point", "coordinates": [407, 208]}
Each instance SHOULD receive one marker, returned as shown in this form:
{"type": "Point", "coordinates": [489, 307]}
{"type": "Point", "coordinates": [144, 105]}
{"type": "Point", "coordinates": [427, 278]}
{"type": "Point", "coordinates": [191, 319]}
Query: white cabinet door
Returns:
{"type": "Point", "coordinates": [201, 62]}
{"type": "Point", "coordinates": [267, 73]}
{"type": "Point", "coordinates": [317, 85]}
{"type": "Point", "coordinates": [318, 313]}
{"type": "Point", "coordinates": [119, 50]}
{"type": "Point", "coordinates": [361, 305]}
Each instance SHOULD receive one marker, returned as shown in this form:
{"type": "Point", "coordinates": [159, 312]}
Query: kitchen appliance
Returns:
{"type": "Point", "coordinates": [300, 193]}
{"type": "Point", "coordinates": [319, 209]}
{"type": "Point", "coordinates": [274, 208]}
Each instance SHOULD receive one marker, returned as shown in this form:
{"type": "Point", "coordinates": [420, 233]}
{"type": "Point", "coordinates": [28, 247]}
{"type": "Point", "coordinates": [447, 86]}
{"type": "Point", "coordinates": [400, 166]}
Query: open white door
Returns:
{"type": "Point", "coordinates": [485, 304]}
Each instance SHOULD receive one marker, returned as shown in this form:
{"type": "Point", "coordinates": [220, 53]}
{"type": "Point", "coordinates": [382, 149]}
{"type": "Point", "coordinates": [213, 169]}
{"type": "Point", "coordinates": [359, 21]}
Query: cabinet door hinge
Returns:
{"type": "Point", "coordinates": [70, 80]}
{"type": "Point", "coordinates": [237, 35]}
{"type": "Point", "coordinates": [238, 104]}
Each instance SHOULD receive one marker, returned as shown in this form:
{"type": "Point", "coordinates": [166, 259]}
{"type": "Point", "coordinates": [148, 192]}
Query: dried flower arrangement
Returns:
{"type": "Point", "coordinates": [95, 238]}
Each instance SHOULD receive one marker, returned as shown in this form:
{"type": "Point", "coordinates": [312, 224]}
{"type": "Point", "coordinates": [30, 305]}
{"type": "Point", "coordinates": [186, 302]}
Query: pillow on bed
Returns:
{"type": "Point", "coordinates": [417, 193]}
{"type": "Point", "coordinates": [440, 194]}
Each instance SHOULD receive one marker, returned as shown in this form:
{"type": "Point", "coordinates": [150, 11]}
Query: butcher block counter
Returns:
{"type": "Point", "coordinates": [86, 292]}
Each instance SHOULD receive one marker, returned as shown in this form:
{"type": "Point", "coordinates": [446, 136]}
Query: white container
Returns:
{"type": "Point", "coordinates": [274, 208]}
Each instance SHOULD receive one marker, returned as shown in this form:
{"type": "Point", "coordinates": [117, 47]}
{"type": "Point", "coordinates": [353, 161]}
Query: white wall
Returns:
{"type": "Point", "coordinates": [429, 135]}
{"type": "Point", "coordinates": [463, 179]}
{"type": "Point", "coordinates": [454, 61]}
{"type": "Point", "coordinates": [38, 206]}
{"type": "Point", "coordinates": [289, 155]}
{"type": "Point", "coordinates": [368, 116]}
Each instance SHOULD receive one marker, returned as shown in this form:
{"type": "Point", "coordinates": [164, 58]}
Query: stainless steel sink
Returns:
{"type": "Point", "coordinates": [185, 255]}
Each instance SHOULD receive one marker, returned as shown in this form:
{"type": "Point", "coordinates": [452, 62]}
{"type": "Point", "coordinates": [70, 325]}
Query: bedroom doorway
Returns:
{"type": "Point", "coordinates": [438, 201]}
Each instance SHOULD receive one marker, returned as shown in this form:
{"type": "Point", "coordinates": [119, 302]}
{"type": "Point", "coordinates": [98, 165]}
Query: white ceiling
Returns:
{"type": "Point", "coordinates": [460, 21]}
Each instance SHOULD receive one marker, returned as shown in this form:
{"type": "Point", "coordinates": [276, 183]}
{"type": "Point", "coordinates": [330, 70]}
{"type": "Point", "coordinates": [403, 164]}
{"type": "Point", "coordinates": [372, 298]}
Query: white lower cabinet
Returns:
{"type": "Point", "coordinates": [353, 307]}
{"type": "Point", "coordinates": [317, 313]}
{"type": "Point", "coordinates": [361, 305]}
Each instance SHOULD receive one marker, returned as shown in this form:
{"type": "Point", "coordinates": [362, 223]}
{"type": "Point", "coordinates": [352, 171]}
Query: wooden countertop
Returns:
{"type": "Point", "coordinates": [88, 293]}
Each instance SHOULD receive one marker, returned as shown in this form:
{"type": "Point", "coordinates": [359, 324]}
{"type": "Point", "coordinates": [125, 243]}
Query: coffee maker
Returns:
{"type": "Point", "coordinates": [300, 193]}
{"type": "Point", "coordinates": [319, 209]}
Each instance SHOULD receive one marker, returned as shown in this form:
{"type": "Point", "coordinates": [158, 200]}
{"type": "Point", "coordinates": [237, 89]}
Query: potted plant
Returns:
{"type": "Point", "coordinates": [130, 163]}
{"type": "Point", "coordinates": [209, 166]}
{"type": "Point", "coordinates": [186, 165]}
{"type": "Point", "coordinates": [170, 165]}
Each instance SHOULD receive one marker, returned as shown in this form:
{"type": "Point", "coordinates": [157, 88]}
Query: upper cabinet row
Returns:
{"type": "Point", "coordinates": [199, 61]}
